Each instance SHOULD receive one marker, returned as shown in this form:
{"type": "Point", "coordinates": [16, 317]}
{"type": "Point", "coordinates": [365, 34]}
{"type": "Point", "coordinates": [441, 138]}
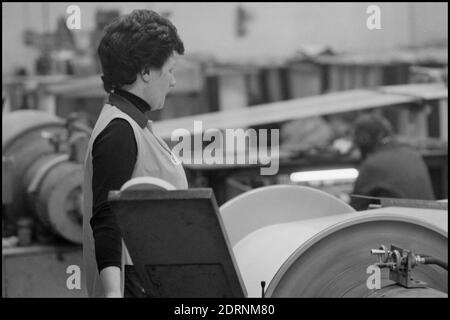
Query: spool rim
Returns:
{"type": "Point", "coordinates": [260, 189]}
{"type": "Point", "coordinates": [149, 181]}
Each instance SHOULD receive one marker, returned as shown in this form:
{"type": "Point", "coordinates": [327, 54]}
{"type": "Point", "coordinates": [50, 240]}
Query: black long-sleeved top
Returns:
{"type": "Point", "coordinates": [114, 155]}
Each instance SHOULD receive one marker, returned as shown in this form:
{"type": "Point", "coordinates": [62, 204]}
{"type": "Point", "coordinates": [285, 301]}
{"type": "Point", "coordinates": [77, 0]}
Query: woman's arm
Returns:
{"type": "Point", "coordinates": [113, 159]}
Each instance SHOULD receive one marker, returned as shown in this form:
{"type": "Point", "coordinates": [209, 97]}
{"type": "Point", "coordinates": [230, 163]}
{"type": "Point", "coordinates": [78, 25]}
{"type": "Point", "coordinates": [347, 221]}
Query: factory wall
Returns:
{"type": "Point", "coordinates": [279, 29]}
{"type": "Point", "coordinates": [273, 31]}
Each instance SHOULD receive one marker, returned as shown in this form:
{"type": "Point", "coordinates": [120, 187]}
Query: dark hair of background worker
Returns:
{"type": "Point", "coordinates": [137, 56]}
{"type": "Point", "coordinates": [389, 168]}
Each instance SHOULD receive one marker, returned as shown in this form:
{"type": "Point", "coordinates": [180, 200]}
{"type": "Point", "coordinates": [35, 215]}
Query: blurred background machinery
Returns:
{"type": "Point", "coordinates": [42, 157]}
{"type": "Point", "coordinates": [42, 166]}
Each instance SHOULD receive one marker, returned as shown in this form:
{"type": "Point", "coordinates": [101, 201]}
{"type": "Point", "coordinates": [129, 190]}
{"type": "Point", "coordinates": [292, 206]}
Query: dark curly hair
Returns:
{"type": "Point", "coordinates": [134, 43]}
{"type": "Point", "coordinates": [369, 132]}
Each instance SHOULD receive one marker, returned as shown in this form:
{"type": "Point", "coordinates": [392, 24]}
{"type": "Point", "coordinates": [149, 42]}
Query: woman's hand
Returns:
{"type": "Point", "coordinates": [113, 295]}
{"type": "Point", "coordinates": [110, 278]}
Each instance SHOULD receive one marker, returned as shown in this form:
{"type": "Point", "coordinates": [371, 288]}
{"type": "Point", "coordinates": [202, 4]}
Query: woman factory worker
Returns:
{"type": "Point", "coordinates": [137, 55]}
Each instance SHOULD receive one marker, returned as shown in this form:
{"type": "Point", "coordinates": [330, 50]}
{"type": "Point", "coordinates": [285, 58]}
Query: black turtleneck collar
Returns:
{"type": "Point", "coordinates": [131, 104]}
{"type": "Point", "coordinates": [138, 102]}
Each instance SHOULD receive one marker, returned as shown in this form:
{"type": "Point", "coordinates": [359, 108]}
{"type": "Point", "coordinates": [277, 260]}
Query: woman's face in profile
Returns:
{"type": "Point", "coordinates": [161, 81]}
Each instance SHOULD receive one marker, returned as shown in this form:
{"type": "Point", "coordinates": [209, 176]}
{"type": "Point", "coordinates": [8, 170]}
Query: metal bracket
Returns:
{"type": "Point", "coordinates": [400, 263]}
{"type": "Point", "coordinates": [405, 262]}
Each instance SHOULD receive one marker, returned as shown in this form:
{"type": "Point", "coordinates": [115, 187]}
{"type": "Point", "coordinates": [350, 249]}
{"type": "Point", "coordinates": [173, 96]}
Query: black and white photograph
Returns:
{"type": "Point", "coordinates": [225, 150]}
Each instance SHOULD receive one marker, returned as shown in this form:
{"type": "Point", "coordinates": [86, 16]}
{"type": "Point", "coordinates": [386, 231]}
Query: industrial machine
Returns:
{"type": "Point", "coordinates": [42, 159]}
{"type": "Point", "coordinates": [328, 254]}
{"type": "Point", "coordinates": [42, 176]}
{"type": "Point", "coordinates": [279, 241]}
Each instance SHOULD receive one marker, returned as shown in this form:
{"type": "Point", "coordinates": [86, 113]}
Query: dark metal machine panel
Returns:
{"type": "Point", "coordinates": [177, 242]}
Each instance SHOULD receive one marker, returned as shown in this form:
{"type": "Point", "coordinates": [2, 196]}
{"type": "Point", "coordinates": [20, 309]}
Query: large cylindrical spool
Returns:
{"type": "Point", "coordinates": [44, 183]}
{"type": "Point", "coordinates": [23, 143]}
{"type": "Point", "coordinates": [270, 205]}
{"type": "Point", "coordinates": [329, 256]}
{"type": "Point", "coordinates": [54, 192]}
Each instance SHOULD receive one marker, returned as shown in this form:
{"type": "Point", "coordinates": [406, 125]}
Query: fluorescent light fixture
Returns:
{"type": "Point", "coordinates": [324, 175]}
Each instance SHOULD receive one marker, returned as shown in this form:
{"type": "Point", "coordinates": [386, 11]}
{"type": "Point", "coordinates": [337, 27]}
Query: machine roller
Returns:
{"type": "Point", "coordinates": [41, 154]}
{"type": "Point", "coordinates": [328, 254]}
